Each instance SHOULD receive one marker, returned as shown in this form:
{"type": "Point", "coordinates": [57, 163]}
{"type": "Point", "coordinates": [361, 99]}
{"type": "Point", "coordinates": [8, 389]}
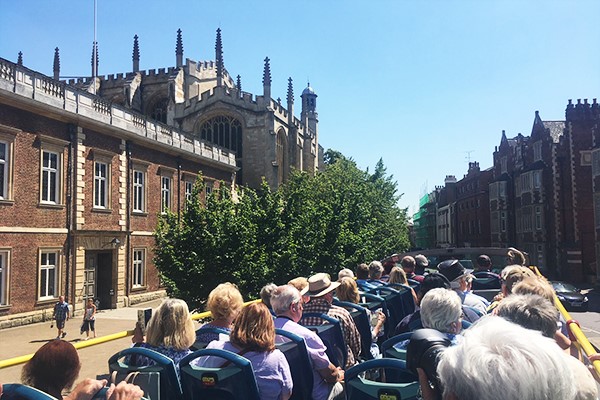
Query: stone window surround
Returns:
{"type": "Point", "coordinates": [5, 253]}
{"type": "Point", "coordinates": [135, 264]}
{"type": "Point", "coordinates": [102, 157]}
{"type": "Point", "coordinates": [57, 275]}
{"type": "Point", "coordinates": [56, 146]}
{"type": "Point", "coordinates": [8, 136]}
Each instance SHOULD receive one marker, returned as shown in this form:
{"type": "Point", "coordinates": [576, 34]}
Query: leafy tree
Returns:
{"type": "Point", "coordinates": [337, 218]}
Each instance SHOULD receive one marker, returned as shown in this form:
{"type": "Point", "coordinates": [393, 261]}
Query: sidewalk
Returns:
{"type": "Point", "coordinates": [27, 339]}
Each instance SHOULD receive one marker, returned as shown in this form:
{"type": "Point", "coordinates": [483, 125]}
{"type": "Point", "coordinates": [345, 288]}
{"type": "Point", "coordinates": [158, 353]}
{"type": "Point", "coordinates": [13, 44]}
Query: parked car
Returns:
{"type": "Point", "coordinates": [570, 296]}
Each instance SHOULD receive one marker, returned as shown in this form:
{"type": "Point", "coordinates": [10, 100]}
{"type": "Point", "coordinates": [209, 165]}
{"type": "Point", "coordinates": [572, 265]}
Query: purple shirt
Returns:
{"type": "Point", "coordinates": [316, 351]}
{"type": "Point", "coordinates": [271, 369]}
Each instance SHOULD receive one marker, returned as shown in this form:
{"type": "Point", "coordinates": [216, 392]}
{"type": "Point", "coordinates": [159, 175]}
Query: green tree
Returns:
{"type": "Point", "coordinates": [338, 218]}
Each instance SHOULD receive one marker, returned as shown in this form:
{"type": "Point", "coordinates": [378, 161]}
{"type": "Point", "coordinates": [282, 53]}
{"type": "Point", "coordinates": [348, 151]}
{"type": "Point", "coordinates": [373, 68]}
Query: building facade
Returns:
{"type": "Point", "coordinates": [88, 166]}
{"type": "Point", "coordinates": [542, 196]}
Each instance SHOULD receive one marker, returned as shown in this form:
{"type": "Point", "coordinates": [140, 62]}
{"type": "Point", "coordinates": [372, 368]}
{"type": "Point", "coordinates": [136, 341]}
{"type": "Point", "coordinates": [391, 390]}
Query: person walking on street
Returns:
{"type": "Point", "coordinates": [89, 319]}
{"type": "Point", "coordinates": [61, 315]}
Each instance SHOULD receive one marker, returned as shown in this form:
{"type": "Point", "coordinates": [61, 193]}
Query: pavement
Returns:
{"type": "Point", "coordinates": [27, 339]}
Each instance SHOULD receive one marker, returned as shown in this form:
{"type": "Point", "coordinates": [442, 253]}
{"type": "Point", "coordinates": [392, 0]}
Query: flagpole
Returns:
{"type": "Point", "coordinates": [95, 50]}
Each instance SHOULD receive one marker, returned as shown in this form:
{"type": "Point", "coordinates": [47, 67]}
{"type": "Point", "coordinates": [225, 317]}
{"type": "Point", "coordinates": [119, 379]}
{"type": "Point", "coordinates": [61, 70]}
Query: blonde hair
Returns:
{"type": "Point", "coordinates": [254, 329]}
{"type": "Point", "coordinates": [171, 326]}
{"type": "Point", "coordinates": [225, 301]}
{"type": "Point", "coordinates": [514, 274]}
{"type": "Point", "coordinates": [397, 275]}
{"type": "Point", "coordinates": [348, 291]}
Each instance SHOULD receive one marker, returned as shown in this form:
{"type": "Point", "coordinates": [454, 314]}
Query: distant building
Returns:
{"type": "Point", "coordinates": [542, 196]}
{"type": "Point", "coordinates": [88, 165]}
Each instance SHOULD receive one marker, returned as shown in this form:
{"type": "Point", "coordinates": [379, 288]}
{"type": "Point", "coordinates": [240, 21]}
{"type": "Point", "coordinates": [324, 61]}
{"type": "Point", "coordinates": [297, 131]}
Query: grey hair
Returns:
{"type": "Point", "coordinates": [530, 311]}
{"type": "Point", "coordinates": [523, 364]}
{"type": "Point", "coordinates": [266, 292]}
{"type": "Point", "coordinates": [375, 270]}
{"type": "Point", "coordinates": [440, 308]}
{"type": "Point", "coordinates": [283, 297]}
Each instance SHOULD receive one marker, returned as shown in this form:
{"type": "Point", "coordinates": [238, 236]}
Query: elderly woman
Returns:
{"type": "Point", "coordinates": [397, 275]}
{"type": "Point", "coordinates": [224, 302]}
{"type": "Point", "coordinates": [253, 337]}
{"type": "Point", "coordinates": [441, 309]}
{"type": "Point", "coordinates": [170, 332]}
{"type": "Point", "coordinates": [53, 368]}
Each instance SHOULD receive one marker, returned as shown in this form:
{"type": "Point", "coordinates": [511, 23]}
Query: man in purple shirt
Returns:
{"type": "Point", "coordinates": [288, 305]}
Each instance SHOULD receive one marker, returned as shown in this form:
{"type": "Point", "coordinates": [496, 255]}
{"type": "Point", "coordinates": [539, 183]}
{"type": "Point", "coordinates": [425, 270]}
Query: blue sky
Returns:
{"type": "Point", "coordinates": [421, 84]}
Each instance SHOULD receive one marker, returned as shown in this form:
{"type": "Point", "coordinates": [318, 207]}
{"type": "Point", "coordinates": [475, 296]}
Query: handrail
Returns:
{"type": "Point", "coordinates": [11, 362]}
{"type": "Point", "coordinates": [581, 341]}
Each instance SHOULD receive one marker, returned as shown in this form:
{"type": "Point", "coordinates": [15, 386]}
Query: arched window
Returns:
{"type": "Point", "coordinates": [223, 131]}
{"type": "Point", "coordinates": [158, 112]}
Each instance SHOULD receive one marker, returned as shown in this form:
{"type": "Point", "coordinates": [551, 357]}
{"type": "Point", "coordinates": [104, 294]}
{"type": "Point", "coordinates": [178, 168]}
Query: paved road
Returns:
{"type": "Point", "coordinates": [27, 339]}
{"type": "Point", "coordinates": [590, 321]}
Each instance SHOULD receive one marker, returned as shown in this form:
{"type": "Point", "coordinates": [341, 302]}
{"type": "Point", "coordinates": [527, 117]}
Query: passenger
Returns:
{"type": "Point", "coordinates": [522, 365]}
{"type": "Point", "coordinates": [530, 311]}
{"type": "Point", "coordinates": [224, 302]}
{"type": "Point", "coordinates": [510, 275]}
{"type": "Point", "coordinates": [469, 281]}
{"type": "Point", "coordinates": [348, 291]}
{"type": "Point", "coordinates": [320, 289]}
{"type": "Point", "coordinates": [454, 271]}
{"type": "Point", "coordinates": [413, 321]}
{"type": "Point", "coordinates": [514, 256]}
{"type": "Point", "coordinates": [299, 283]}
{"type": "Point", "coordinates": [397, 275]}
{"type": "Point", "coordinates": [265, 293]}
{"type": "Point", "coordinates": [484, 264]}
{"type": "Point", "coordinates": [541, 287]}
{"type": "Point", "coordinates": [53, 368]}
{"type": "Point", "coordinates": [253, 337]}
{"type": "Point", "coordinates": [170, 332]}
{"type": "Point", "coordinates": [362, 276]}
{"type": "Point", "coordinates": [327, 378]}
{"type": "Point", "coordinates": [387, 268]}
{"type": "Point", "coordinates": [346, 272]}
{"type": "Point", "coordinates": [421, 262]}
{"type": "Point", "coordinates": [375, 273]}
{"type": "Point", "coordinates": [441, 310]}
{"type": "Point", "coordinates": [408, 265]}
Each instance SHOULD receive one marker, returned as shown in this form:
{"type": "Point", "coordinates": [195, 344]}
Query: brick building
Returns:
{"type": "Point", "coordinates": [543, 196]}
{"type": "Point", "coordinates": [87, 166]}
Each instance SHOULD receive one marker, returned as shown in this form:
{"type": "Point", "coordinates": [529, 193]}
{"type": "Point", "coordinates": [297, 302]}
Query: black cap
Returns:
{"type": "Point", "coordinates": [453, 269]}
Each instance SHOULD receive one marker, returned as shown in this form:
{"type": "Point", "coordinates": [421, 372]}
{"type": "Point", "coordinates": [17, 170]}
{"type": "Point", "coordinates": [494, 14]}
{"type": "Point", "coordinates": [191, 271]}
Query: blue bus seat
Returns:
{"type": "Point", "coordinates": [17, 391]}
{"type": "Point", "coordinates": [358, 388]}
{"type": "Point", "coordinates": [232, 382]}
{"type": "Point", "coordinates": [363, 324]}
{"type": "Point", "coordinates": [416, 285]}
{"type": "Point", "coordinates": [294, 349]}
{"type": "Point", "coordinates": [374, 302]}
{"type": "Point", "coordinates": [200, 344]}
{"type": "Point", "coordinates": [169, 381]}
{"type": "Point", "coordinates": [399, 303]}
{"type": "Point", "coordinates": [332, 336]}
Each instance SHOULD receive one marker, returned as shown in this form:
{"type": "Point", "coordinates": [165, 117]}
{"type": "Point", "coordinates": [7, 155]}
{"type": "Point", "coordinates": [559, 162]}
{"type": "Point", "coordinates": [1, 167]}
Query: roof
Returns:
{"type": "Point", "coordinates": [308, 90]}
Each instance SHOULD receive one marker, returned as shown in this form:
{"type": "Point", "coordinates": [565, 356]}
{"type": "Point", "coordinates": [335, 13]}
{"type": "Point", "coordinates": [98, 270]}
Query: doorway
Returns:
{"type": "Point", "coordinates": [99, 278]}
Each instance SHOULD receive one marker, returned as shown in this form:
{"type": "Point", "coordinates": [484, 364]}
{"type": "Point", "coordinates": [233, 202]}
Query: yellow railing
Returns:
{"type": "Point", "coordinates": [10, 362]}
{"type": "Point", "coordinates": [581, 341]}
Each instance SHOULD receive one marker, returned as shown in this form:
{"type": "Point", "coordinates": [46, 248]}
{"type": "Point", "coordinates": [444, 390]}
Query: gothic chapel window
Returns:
{"type": "Point", "coordinates": [223, 131]}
